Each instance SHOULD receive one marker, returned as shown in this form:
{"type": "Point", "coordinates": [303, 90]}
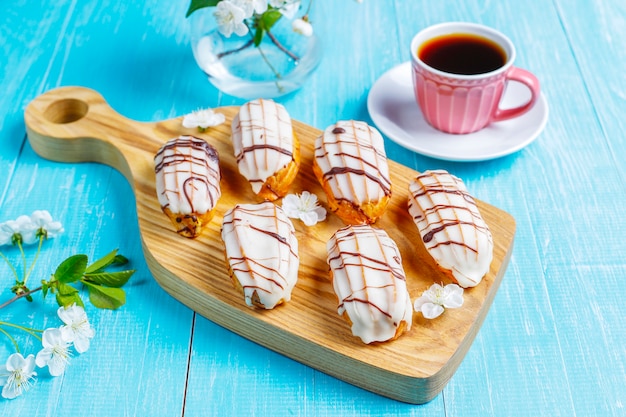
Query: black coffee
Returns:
{"type": "Point", "coordinates": [462, 53]}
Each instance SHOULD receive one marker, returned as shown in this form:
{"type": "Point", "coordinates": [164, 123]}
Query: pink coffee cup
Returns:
{"type": "Point", "coordinates": [459, 90]}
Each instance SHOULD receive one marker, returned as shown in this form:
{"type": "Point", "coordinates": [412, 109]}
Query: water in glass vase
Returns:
{"type": "Point", "coordinates": [279, 65]}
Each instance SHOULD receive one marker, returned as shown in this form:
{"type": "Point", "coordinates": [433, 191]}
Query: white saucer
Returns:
{"type": "Point", "coordinates": [392, 107]}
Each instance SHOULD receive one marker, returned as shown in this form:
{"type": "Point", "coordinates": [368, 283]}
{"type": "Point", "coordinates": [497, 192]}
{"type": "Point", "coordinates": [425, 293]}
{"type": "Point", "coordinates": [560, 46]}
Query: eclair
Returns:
{"type": "Point", "coordinates": [351, 165]}
{"type": "Point", "coordinates": [261, 251]}
{"type": "Point", "coordinates": [188, 183]}
{"type": "Point", "coordinates": [266, 148]}
{"type": "Point", "coordinates": [451, 227]}
{"type": "Point", "coordinates": [369, 281]}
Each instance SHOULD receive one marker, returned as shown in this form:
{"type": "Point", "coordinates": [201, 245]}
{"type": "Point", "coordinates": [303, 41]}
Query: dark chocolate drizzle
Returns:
{"type": "Point", "coordinates": [454, 188]}
{"type": "Point", "coordinates": [240, 218]}
{"type": "Point", "coordinates": [180, 151]}
{"type": "Point", "coordinates": [350, 139]}
{"type": "Point", "coordinates": [253, 148]}
{"type": "Point", "coordinates": [345, 259]}
{"type": "Point", "coordinates": [284, 147]}
{"type": "Point", "coordinates": [345, 170]}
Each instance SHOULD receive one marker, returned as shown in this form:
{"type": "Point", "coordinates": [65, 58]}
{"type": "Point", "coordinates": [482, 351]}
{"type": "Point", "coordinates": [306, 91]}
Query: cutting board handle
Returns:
{"type": "Point", "coordinates": [76, 124]}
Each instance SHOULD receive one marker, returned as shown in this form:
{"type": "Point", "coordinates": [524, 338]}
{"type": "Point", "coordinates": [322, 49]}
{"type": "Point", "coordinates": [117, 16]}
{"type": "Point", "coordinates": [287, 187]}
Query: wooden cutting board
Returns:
{"type": "Point", "coordinates": [74, 124]}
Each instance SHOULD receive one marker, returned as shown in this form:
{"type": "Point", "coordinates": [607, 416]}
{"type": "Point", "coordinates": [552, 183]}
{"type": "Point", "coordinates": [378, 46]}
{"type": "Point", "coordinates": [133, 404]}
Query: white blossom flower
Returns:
{"type": "Point", "coordinates": [304, 207]}
{"type": "Point", "coordinates": [28, 229]}
{"type": "Point", "coordinates": [55, 353]}
{"type": "Point", "coordinates": [45, 225]}
{"type": "Point", "coordinates": [40, 223]}
{"type": "Point", "coordinates": [18, 229]}
{"type": "Point", "coordinates": [303, 27]}
{"type": "Point", "coordinates": [29, 234]}
{"type": "Point", "coordinates": [250, 7]}
{"type": "Point", "coordinates": [287, 8]}
{"type": "Point", "coordinates": [202, 119]}
{"type": "Point", "coordinates": [77, 324]}
{"type": "Point", "coordinates": [230, 18]}
{"type": "Point", "coordinates": [433, 301]}
{"type": "Point", "coordinates": [17, 375]}
{"type": "Point", "coordinates": [5, 236]}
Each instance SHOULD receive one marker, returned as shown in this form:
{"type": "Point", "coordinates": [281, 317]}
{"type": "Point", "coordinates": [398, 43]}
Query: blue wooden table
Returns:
{"type": "Point", "coordinates": [554, 341]}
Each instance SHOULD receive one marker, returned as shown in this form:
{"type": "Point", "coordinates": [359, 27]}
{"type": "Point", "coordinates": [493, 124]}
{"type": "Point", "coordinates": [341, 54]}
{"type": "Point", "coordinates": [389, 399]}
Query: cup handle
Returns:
{"type": "Point", "coordinates": [529, 80]}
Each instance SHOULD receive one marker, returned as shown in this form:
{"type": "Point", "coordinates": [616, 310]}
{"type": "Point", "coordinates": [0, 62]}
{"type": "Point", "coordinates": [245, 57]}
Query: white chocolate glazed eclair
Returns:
{"type": "Point", "coordinates": [266, 148]}
{"type": "Point", "coordinates": [451, 227]}
{"type": "Point", "coordinates": [351, 165]}
{"type": "Point", "coordinates": [370, 284]}
{"type": "Point", "coordinates": [261, 252]}
{"type": "Point", "coordinates": [188, 183]}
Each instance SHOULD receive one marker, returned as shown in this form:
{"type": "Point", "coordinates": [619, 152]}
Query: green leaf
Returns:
{"type": "Point", "coordinates": [71, 269]}
{"type": "Point", "coordinates": [44, 288]}
{"type": "Point", "coordinates": [105, 297]}
{"type": "Point", "coordinates": [269, 18]}
{"type": "Point", "coordinates": [102, 263]}
{"type": "Point", "coordinates": [65, 300]}
{"type": "Point", "coordinates": [110, 279]}
{"type": "Point", "coordinates": [65, 289]}
{"type": "Point", "coordinates": [52, 285]}
{"type": "Point", "coordinates": [120, 260]}
{"type": "Point", "coordinates": [258, 36]}
{"type": "Point", "coordinates": [264, 23]}
{"type": "Point", "coordinates": [200, 4]}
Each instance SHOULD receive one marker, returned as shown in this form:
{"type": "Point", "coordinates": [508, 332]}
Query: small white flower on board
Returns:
{"type": "Point", "coordinates": [203, 119]}
{"type": "Point", "coordinates": [304, 207]}
{"type": "Point", "coordinates": [437, 298]}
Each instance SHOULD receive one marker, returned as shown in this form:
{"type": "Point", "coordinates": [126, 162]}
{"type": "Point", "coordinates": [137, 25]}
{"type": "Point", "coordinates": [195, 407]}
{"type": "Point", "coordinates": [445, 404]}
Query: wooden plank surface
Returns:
{"type": "Point", "coordinates": [553, 341]}
{"type": "Point", "coordinates": [126, 359]}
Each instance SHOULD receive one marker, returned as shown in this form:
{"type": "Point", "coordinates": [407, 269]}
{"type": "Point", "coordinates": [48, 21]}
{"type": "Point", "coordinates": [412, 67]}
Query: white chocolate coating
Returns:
{"type": "Point", "coordinates": [351, 155]}
{"type": "Point", "coordinates": [369, 282]}
{"type": "Point", "coordinates": [187, 176]}
{"type": "Point", "coordinates": [451, 226]}
{"type": "Point", "coordinates": [263, 142]}
{"type": "Point", "coordinates": [262, 250]}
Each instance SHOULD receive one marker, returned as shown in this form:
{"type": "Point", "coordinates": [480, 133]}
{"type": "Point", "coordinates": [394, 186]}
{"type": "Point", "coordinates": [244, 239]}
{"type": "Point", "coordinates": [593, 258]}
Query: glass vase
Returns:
{"type": "Point", "coordinates": [279, 65]}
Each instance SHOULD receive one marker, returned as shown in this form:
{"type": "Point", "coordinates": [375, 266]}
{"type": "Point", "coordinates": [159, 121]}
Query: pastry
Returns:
{"type": "Point", "coordinates": [451, 226]}
{"type": "Point", "coordinates": [351, 165]}
{"type": "Point", "coordinates": [370, 284]}
{"type": "Point", "coordinates": [261, 253]}
{"type": "Point", "coordinates": [266, 148]}
{"type": "Point", "coordinates": [188, 183]}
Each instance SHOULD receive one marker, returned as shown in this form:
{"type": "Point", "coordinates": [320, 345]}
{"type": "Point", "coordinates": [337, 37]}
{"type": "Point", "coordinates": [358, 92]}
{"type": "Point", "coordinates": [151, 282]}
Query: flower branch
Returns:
{"type": "Point", "coordinates": [26, 294]}
{"type": "Point", "coordinates": [256, 17]}
{"type": "Point", "coordinates": [102, 285]}
{"type": "Point", "coordinates": [234, 51]}
{"type": "Point", "coordinates": [281, 47]}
